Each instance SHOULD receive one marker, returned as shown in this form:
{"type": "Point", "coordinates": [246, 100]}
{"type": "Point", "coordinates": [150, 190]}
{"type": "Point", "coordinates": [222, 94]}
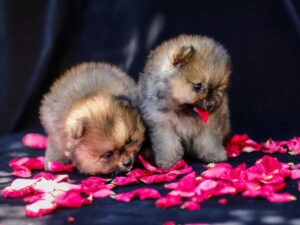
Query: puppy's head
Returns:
{"type": "Point", "coordinates": [199, 70]}
{"type": "Point", "coordinates": [105, 135]}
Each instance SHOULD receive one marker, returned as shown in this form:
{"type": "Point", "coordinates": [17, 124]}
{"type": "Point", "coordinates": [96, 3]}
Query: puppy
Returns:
{"type": "Point", "coordinates": [185, 76]}
{"type": "Point", "coordinates": [90, 117]}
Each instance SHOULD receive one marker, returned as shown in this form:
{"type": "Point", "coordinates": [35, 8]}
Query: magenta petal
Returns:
{"type": "Point", "coordinates": [121, 180]}
{"type": "Point", "coordinates": [70, 199]}
{"type": "Point", "coordinates": [159, 178]}
{"type": "Point", "coordinates": [223, 201]}
{"type": "Point", "coordinates": [142, 193]}
{"type": "Point", "coordinates": [167, 202]}
{"type": "Point", "coordinates": [169, 223]}
{"type": "Point", "coordinates": [148, 166]}
{"type": "Point", "coordinates": [36, 141]}
{"type": "Point", "coordinates": [190, 205]}
{"type": "Point", "coordinates": [138, 173]}
{"type": "Point", "coordinates": [55, 167]}
{"type": "Point", "coordinates": [202, 114]}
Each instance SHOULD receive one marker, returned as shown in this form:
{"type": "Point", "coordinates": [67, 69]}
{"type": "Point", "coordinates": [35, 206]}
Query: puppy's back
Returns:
{"type": "Point", "coordinates": [78, 83]}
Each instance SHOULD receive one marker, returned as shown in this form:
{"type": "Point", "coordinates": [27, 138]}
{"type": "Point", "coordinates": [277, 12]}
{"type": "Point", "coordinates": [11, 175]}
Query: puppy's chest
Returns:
{"type": "Point", "coordinates": [186, 127]}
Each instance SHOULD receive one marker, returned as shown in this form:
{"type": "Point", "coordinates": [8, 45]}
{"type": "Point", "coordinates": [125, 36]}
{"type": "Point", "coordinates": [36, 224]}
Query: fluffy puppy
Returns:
{"type": "Point", "coordinates": [183, 76]}
{"type": "Point", "coordinates": [90, 117]}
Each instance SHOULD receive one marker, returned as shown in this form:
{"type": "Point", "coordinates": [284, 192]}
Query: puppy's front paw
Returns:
{"type": "Point", "coordinates": [215, 156]}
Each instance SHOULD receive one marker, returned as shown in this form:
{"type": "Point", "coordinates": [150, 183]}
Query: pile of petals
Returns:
{"type": "Point", "coordinates": [45, 192]}
{"type": "Point", "coordinates": [242, 143]}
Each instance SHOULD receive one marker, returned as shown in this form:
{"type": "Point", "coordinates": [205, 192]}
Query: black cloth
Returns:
{"type": "Point", "coordinates": [238, 210]}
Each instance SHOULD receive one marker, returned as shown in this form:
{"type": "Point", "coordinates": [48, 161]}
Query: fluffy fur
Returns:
{"type": "Point", "coordinates": [180, 74]}
{"type": "Point", "coordinates": [90, 117]}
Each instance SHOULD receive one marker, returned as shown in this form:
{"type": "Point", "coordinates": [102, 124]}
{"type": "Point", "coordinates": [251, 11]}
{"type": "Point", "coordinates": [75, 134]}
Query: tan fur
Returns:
{"type": "Point", "coordinates": [168, 93]}
{"type": "Point", "coordinates": [85, 118]}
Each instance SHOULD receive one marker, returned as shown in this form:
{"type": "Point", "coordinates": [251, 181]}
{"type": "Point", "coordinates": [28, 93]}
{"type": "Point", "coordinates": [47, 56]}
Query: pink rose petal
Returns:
{"type": "Point", "coordinates": [159, 178]}
{"type": "Point", "coordinates": [295, 174]}
{"type": "Point", "coordinates": [121, 180]}
{"type": "Point", "coordinates": [281, 197]}
{"type": "Point", "coordinates": [190, 205]}
{"type": "Point", "coordinates": [103, 193]}
{"type": "Point", "coordinates": [169, 223]}
{"type": "Point", "coordinates": [202, 114]}
{"type": "Point", "coordinates": [148, 166]}
{"type": "Point", "coordinates": [35, 141]}
{"type": "Point", "coordinates": [70, 219]}
{"type": "Point", "coordinates": [167, 202]}
{"type": "Point", "coordinates": [223, 201]}
{"type": "Point", "coordinates": [40, 208]}
{"type": "Point", "coordinates": [142, 193]}
{"type": "Point", "coordinates": [55, 167]}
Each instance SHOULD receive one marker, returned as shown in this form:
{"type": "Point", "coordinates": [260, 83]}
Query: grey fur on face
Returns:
{"type": "Point", "coordinates": [180, 74]}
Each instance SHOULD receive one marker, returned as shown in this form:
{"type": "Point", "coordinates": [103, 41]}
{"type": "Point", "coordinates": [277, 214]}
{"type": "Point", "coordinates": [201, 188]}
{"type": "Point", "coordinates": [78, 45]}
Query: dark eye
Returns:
{"type": "Point", "coordinates": [129, 141]}
{"type": "Point", "coordinates": [197, 87]}
{"type": "Point", "coordinates": [108, 155]}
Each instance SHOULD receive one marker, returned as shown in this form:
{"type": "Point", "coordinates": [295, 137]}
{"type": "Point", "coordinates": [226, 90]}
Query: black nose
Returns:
{"type": "Point", "coordinates": [209, 105]}
{"type": "Point", "coordinates": [127, 163]}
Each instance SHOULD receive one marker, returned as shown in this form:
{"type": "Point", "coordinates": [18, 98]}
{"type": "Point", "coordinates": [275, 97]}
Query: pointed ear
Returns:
{"type": "Point", "coordinates": [183, 55]}
{"type": "Point", "coordinates": [78, 128]}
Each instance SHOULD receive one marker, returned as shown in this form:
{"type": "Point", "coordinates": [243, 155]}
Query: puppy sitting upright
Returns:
{"type": "Point", "coordinates": [184, 77]}
{"type": "Point", "coordinates": [90, 118]}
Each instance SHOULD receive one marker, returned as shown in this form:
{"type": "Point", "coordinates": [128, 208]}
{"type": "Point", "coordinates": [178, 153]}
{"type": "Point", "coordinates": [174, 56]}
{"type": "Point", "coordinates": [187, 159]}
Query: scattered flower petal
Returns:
{"type": "Point", "coordinates": [35, 141]}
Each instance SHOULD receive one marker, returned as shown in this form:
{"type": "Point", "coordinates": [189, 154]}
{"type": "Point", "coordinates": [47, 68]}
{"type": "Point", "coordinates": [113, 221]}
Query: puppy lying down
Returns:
{"type": "Point", "coordinates": [90, 117]}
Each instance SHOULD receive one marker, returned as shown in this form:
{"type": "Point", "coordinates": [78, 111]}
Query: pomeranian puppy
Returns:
{"type": "Point", "coordinates": [91, 118]}
{"type": "Point", "coordinates": [184, 79]}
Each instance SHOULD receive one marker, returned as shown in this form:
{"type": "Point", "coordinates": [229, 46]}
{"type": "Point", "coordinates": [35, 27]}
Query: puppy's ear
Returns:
{"type": "Point", "coordinates": [183, 55]}
{"type": "Point", "coordinates": [78, 128]}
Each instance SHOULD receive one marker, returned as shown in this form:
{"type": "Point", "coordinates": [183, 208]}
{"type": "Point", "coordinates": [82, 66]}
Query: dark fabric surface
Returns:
{"type": "Point", "coordinates": [238, 211]}
{"type": "Point", "coordinates": [41, 39]}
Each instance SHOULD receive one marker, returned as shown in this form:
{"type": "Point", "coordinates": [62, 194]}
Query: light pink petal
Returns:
{"type": "Point", "coordinates": [295, 174]}
{"type": "Point", "coordinates": [40, 208]}
{"type": "Point", "coordinates": [103, 193]}
{"type": "Point", "coordinates": [191, 206]}
{"type": "Point", "coordinates": [207, 185]}
{"type": "Point", "coordinates": [36, 141]}
{"type": "Point", "coordinates": [55, 167]}
{"type": "Point", "coordinates": [21, 173]}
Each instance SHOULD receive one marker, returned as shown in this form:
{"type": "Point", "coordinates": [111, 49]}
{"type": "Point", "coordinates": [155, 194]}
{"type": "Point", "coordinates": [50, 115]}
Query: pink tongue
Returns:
{"type": "Point", "coordinates": [202, 114]}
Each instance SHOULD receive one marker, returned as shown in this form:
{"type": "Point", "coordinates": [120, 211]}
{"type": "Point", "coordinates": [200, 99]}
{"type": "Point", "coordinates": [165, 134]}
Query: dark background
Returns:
{"type": "Point", "coordinates": [41, 39]}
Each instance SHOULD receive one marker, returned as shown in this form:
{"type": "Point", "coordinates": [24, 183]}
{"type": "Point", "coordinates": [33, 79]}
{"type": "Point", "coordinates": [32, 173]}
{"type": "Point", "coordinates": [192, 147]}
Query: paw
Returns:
{"type": "Point", "coordinates": [216, 156]}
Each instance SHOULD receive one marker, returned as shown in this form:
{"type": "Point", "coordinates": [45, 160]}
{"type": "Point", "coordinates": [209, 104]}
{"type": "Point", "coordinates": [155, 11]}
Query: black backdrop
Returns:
{"type": "Point", "coordinates": [41, 39]}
